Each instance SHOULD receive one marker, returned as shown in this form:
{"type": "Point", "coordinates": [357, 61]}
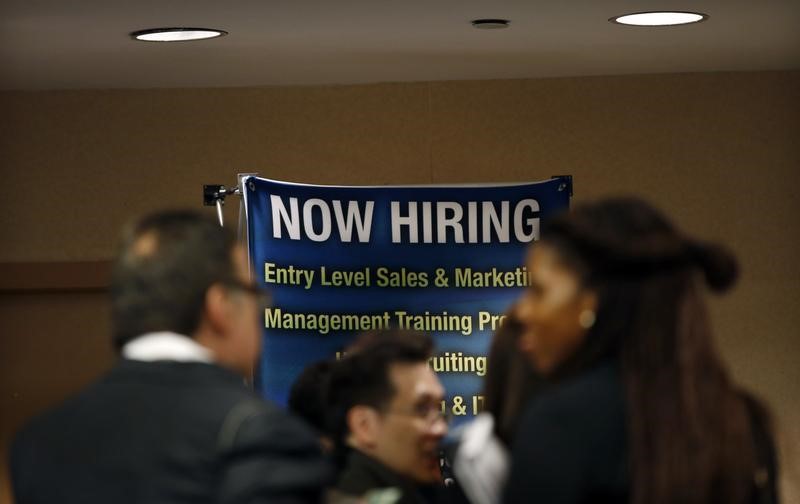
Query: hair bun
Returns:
{"type": "Point", "coordinates": [719, 265]}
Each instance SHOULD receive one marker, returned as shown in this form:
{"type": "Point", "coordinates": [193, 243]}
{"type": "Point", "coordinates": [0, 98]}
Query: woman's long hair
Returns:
{"type": "Point", "coordinates": [510, 380]}
{"type": "Point", "coordinates": [689, 429]}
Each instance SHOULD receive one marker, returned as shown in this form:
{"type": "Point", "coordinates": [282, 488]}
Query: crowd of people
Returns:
{"type": "Point", "coordinates": [603, 385]}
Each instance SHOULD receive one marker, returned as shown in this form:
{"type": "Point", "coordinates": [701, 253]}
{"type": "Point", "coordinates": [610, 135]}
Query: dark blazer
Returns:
{"type": "Point", "coordinates": [362, 474]}
{"type": "Point", "coordinates": [571, 444]}
{"type": "Point", "coordinates": [158, 432]}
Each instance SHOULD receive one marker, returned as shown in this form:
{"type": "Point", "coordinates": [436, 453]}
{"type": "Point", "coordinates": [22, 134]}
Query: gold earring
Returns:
{"type": "Point", "coordinates": [586, 319]}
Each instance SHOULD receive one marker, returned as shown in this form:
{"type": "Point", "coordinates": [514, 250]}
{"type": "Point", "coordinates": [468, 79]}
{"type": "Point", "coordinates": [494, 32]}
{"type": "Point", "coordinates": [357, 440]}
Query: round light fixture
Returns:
{"type": "Point", "coordinates": [177, 34]}
{"type": "Point", "coordinates": [490, 24]}
{"type": "Point", "coordinates": [659, 18]}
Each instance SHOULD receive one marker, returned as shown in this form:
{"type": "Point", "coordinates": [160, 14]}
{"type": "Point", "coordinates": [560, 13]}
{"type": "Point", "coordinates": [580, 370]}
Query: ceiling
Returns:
{"type": "Point", "coordinates": [58, 44]}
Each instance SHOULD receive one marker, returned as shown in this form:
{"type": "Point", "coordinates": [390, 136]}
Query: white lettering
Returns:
{"type": "Point", "coordinates": [520, 222]}
{"type": "Point", "coordinates": [454, 222]}
{"type": "Point", "coordinates": [398, 221]}
{"type": "Point", "coordinates": [281, 216]}
{"type": "Point", "coordinates": [308, 219]}
{"type": "Point", "coordinates": [500, 224]}
{"type": "Point", "coordinates": [345, 225]}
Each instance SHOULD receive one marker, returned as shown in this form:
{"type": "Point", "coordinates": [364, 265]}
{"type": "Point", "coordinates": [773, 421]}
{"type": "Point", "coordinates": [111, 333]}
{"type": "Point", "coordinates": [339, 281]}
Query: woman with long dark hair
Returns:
{"type": "Point", "coordinates": [482, 459]}
{"type": "Point", "coordinates": [639, 406]}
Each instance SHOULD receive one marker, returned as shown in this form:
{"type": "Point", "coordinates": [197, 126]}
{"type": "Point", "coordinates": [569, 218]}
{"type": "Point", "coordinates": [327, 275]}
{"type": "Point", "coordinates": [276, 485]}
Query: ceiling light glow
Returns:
{"type": "Point", "coordinates": [177, 34]}
{"type": "Point", "coordinates": [660, 18]}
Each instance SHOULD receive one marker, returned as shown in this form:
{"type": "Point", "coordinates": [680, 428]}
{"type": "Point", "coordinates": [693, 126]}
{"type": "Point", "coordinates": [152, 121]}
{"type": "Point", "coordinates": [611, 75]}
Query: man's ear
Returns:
{"type": "Point", "coordinates": [216, 309]}
{"type": "Point", "coordinates": [363, 424]}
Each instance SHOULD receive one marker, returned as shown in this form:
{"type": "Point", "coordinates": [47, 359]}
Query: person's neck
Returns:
{"type": "Point", "coordinates": [219, 347]}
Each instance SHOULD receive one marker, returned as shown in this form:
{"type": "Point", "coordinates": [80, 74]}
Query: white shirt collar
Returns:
{"type": "Point", "coordinates": [166, 345]}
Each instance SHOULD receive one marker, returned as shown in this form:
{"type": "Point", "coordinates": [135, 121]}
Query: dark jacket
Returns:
{"type": "Point", "coordinates": [362, 474]}
{"type": "Point", "coordinates": [158, 432]}
{"type": "Point", "coordinates": [571, 445]}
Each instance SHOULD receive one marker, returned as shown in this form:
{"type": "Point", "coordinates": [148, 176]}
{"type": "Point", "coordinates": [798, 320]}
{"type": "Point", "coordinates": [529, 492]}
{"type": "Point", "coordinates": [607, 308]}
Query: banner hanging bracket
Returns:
{"type": "Point", "coordinates": [566, 183]}
{"type": "Point", "coordinates": [214, 195]}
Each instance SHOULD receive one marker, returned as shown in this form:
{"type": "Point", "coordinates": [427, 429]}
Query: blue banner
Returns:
{"type": "Point", "coordinates": [447, 260]}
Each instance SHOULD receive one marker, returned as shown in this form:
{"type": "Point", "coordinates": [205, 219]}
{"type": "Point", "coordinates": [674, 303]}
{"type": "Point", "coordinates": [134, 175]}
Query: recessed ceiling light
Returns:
{"type": "Point", "coordinates": [659, 18]}
{"type": "Point", "coordinates": [177, 34]}
{"type": "Point", "coordinates": [490, 24]}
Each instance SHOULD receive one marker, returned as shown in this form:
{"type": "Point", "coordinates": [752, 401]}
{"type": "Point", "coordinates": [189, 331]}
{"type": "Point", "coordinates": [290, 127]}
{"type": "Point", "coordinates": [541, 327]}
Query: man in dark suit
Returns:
{"type": "Point", "coordinates": [173, 421]}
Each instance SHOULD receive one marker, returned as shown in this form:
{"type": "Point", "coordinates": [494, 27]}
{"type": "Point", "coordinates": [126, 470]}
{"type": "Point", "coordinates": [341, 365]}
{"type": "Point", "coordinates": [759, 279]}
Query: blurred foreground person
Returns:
{"type": "Point", "coordinates": [173, 421]}
{"type": "Point", "coordinates": [386, 402]}
{"type": "Point", "coordinates": [482, 458]}
{"type": "Point", "coordinates": [308, 399]}
{"type": "Point", "coordinates": [641, 408]}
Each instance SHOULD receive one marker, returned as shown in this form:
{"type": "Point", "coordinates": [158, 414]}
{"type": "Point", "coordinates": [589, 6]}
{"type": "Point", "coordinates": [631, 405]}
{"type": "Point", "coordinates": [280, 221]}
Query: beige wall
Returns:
{"type": "Point", "coordinates": [720, 152]}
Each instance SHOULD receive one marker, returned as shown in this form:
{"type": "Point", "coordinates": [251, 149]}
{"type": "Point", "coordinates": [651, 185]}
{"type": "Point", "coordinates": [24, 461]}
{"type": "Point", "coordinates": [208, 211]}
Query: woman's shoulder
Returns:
{"type": "Point", "coordinates": [588, 409]}
{"type": "Point", "coordinates": [571, 441]}
{"type": "Point", "coordinates": [597, 388]}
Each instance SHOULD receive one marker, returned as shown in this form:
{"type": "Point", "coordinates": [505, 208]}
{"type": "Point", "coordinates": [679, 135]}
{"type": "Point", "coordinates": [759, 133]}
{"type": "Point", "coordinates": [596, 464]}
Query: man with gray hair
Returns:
{"type": "Point", "coordinates": [173, 421]}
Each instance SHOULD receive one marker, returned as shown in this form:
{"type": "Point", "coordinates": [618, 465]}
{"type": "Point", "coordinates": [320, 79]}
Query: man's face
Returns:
{"type": "Point", "coordinates": [245, 341]}
{"type": "Point", "coordinates": [411, 426]}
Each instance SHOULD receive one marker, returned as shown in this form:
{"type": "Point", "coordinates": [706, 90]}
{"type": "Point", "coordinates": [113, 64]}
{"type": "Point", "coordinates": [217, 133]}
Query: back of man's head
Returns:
{"type": "Point", "coordinates": [362, 377]}
{"type": "Point", "coordinates": [308, 395]}
{"type": "Point", "coordinates": [166, 263]}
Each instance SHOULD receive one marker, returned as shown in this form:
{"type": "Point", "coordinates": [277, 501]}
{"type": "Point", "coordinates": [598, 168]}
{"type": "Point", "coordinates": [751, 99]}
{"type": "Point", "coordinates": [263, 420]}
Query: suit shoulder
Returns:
{"type": "Point", "coordinates": [256, 421]}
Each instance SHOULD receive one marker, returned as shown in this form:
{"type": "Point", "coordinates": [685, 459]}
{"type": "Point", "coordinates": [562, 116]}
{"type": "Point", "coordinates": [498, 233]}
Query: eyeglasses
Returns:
{"type": "Point", "coordinates": [430, 414]}
{"type": "Point", "coordinates": [261, 296]}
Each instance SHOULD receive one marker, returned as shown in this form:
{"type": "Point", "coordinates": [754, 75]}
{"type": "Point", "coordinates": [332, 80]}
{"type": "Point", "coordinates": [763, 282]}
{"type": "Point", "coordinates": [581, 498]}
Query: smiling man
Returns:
{"type": "Point", "coordinates": [387, 405]}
